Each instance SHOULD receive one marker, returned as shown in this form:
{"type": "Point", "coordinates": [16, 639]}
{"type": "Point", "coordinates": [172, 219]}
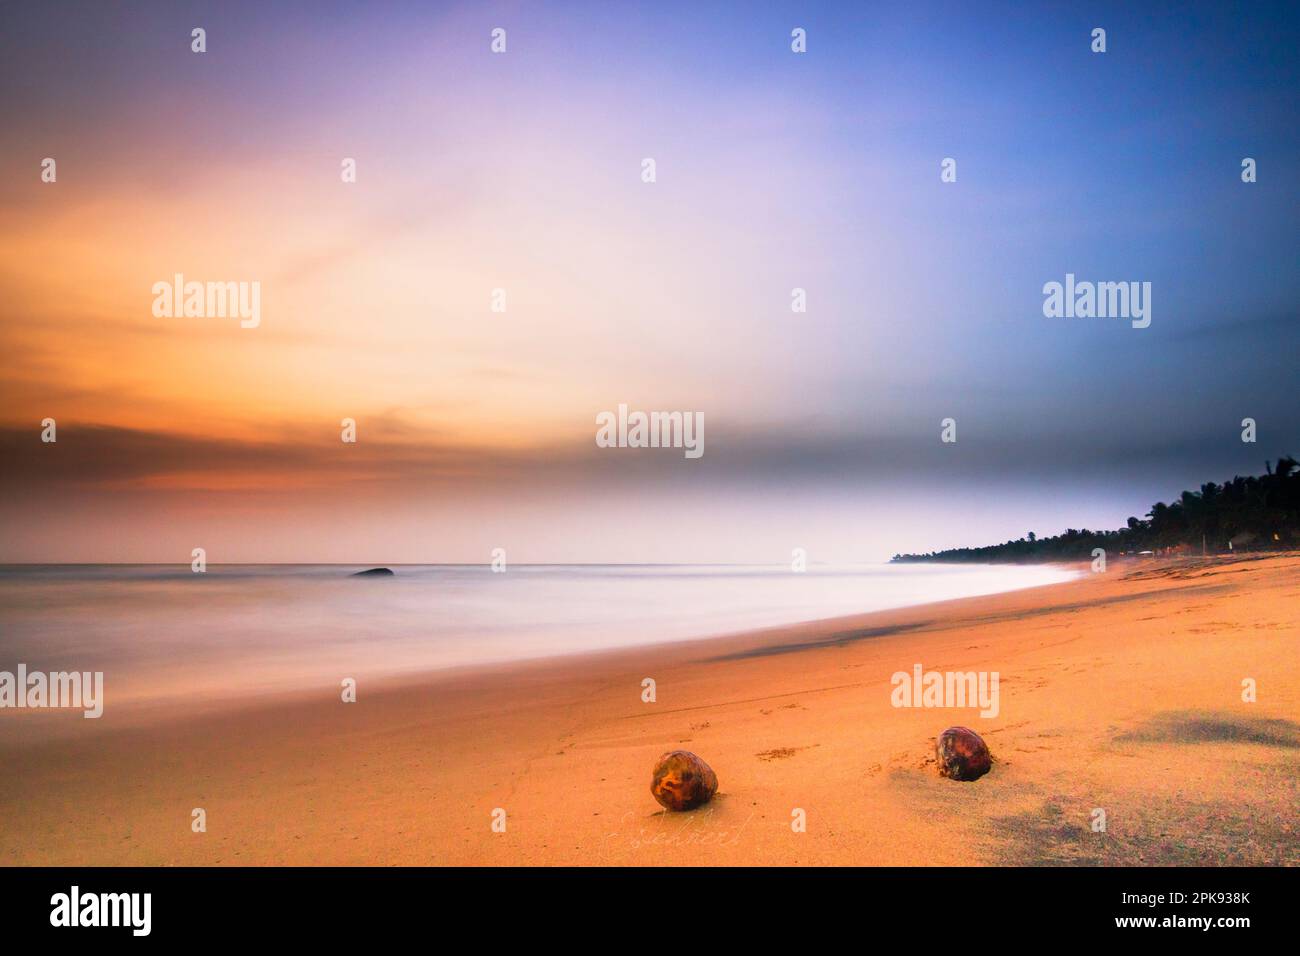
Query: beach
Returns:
{"type": "Point", "coordinates": [1120, 692]}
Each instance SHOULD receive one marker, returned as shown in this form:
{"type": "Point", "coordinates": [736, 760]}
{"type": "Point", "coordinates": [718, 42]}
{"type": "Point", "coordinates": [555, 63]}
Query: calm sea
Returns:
{"type": "Point", "coordinates": [160, 631]}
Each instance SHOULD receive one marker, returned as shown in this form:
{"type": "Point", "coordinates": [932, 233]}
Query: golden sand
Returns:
{"type": "Point", "coordinates": [1120, 692]}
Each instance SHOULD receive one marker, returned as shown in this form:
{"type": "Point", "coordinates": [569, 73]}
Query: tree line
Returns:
{"type": "Point", "coordinates": [1260, 512]}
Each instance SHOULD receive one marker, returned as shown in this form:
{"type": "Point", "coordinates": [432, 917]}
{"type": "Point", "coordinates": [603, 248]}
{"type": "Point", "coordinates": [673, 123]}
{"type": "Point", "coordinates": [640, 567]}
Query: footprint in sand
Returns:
{"type": "Point", "coordinates": [782, 753]}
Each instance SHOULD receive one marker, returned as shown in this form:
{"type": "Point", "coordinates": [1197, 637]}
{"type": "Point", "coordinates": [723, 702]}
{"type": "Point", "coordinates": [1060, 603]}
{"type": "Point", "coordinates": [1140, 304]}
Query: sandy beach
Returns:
{"type": "Point", "coordinates": [1119, 691]}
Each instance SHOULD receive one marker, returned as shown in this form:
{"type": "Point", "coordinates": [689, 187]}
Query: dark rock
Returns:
{"type": "Point", "coordinates": [962, 754]}
{"type": "Point", "coordinates": [683, 781]}
{"type": "Point", "coordinates": [375, 573]}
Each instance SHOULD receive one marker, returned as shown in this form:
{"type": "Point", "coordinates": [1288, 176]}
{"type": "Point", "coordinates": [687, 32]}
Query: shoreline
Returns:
{"type": "Point", "coordinates": [790, 717]}
{"type": "Point", "coordinates": [156, 696]}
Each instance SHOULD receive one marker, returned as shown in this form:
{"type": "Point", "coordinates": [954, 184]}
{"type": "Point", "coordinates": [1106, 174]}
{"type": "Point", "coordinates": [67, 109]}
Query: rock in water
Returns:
{"type": "Point", "coordinates": [375, 573]}
{"type": "Point", "coordinates": [962, 754]}
{"type": "Point", "coordinates": [683, 781]}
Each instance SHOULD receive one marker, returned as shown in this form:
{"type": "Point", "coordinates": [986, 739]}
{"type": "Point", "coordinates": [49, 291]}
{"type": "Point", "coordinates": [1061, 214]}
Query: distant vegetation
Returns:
{"type": "Point", "coordinates": [1244, 514]}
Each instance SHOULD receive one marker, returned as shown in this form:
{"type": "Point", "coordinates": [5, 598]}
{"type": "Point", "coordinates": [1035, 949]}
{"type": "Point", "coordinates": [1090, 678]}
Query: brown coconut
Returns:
{"type": "Point", "coordinates": [962, 754]}
{"type": "Point", "coordinates": [682, 781]}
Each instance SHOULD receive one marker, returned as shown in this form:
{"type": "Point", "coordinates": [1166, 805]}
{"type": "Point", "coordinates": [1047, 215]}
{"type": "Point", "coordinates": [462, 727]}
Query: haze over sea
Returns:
{"type": "Point", "coordinates": [162, 631]}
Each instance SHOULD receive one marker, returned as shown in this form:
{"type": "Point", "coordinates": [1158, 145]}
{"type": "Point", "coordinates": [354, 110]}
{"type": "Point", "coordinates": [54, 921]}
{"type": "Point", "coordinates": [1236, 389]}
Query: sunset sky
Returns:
{"type": "Point", "coordinates": [522, 171]}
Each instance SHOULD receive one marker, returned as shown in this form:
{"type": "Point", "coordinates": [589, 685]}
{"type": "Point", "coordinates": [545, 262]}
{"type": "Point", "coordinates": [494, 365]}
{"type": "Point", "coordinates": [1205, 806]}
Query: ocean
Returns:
{"type": "Point", "coordinates": [160, 631]}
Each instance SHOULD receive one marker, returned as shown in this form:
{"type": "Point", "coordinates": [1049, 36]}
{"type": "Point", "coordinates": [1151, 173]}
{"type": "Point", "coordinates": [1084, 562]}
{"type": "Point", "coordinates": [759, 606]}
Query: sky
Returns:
{"type": "Point", "coordinates": [522, 171]}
